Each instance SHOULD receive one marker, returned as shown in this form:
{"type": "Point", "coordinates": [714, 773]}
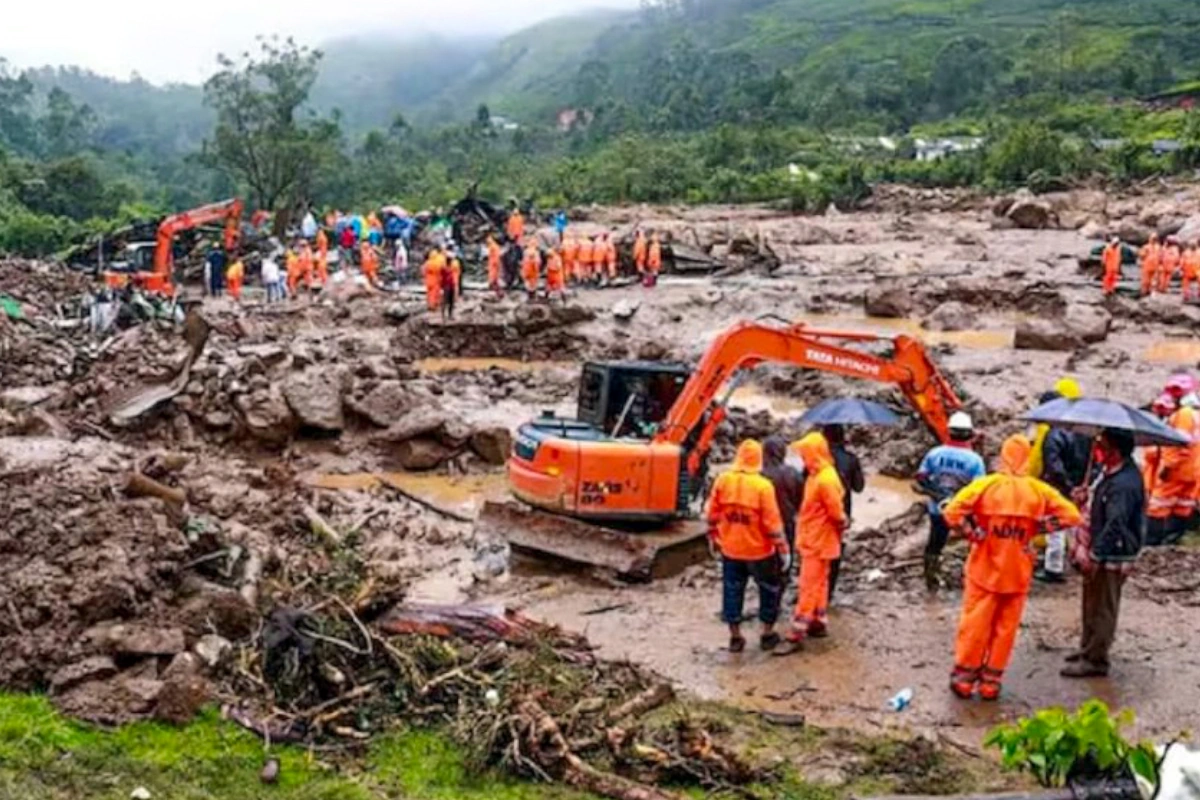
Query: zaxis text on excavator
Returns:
{"type": "Point", "coordinates": [636, 455]}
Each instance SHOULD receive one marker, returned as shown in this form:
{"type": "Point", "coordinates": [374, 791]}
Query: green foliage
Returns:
{"type": "Point", "coordinates": [1056, 746]}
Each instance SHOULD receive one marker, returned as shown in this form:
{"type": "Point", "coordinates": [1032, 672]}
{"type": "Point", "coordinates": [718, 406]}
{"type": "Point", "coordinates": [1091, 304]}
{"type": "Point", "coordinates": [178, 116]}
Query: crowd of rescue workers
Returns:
{"type": "Point", "coordinates": [1082, 498]}
{"type": "Point", "coordinates": [515, 258]}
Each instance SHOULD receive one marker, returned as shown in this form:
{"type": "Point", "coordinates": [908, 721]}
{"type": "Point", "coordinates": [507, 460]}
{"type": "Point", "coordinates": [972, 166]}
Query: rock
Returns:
{"type": "Point", "coordinates": [1155, 214]}
{"type": "Point", "coordinates": [181, 698]}
{"type": "Point", "coordinates": [315, 397]}
{"type": "Point", "coordinates": [1092, 230]}
{"type": "Point", "coordinates": [140, 793]}
{"type": "Point", "coordinates": [182, 664]}
{"type": "Point", "coordinates": [210, 648]}
{"type": "Point", "coordinates": [218, 420]}
{"type": "Point", "coordinates": [96, 668]}
{"type": "Point", "coordinates": [26, 396]}
{"type": "Point", "coordinates": [1032, 214]}
{"type": "Point", "coordinates": [625, 309]}
{"type": "Point", "coordinates": [652, 351]}
{"type": "Point", "coordinates": [220, 610]}
{"type": "Point", "coordinates": [455, 433]}
{"type": "Point", "coordinates": [138, 640]}
{"type": "Point", "coordinates": [422, 454]}
{"type": "Point", "coordinates": [266, 415]}
{"type": "Point", "coordinates": [422, 421]}
{"type": "Point", "coordinates": [383, 405]}
{"type": "Point", "coordinates": [890, 302]}
{"type": "Point", "coordinates": [270, 771]}
{"type": "Point", "coordinates": [968, 239]}
{"type": "Point", "coordinates": [1081, 325]}
{"type": "Point", "coordinates": [1131, 233]}
{"type": "Point", "coordinates": [951, 316]}
{"type": "Point", "coordinates": [493, 445]}
{"type": "Point", "coordinates": [1190, 230]}
{"type": "Point", "coordinates": [1002, 205]}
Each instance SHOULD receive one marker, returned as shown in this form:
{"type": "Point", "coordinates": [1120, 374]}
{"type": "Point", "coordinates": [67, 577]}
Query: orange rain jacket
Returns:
{"type": "Point", "coordinates": [742, 511]}
{"type": "Point", "coordinates": [555, 281]}
{"type": "Point", "coordinates": [1009, 508]}
{"type": "Point", "coordinates": [822, 515]}
{"type": "Point", "coordinates": [570, 256]}
{"type": "Point", "coordinates": [531, 267]}
{"type": "Point", "coordinates": [1112, 267]}
{"type": "Point", "coordinates": [639, 251]}
{"type": "Point", "coordinates": [493, 262]}
{"type": "Point", "coordinates": [515, 228]}
{"type": "Point", "coordinates": [586, 256]}
{"type": "Point", "coordinates": [655, 260]}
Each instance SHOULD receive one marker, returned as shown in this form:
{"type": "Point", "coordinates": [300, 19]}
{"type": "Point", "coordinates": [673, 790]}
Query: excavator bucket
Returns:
{"type": "Point", "coordinates": [630, 556]}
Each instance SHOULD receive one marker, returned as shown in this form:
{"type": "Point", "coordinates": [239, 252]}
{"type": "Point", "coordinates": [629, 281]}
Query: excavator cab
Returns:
{"type": "Point", "coordinates": [629, 399]}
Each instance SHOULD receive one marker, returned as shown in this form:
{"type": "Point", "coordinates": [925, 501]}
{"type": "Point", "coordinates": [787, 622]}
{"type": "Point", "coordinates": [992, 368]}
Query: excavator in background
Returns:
{"type": "Point", "coordinates": [149, 265]}
{"type": "Point", "coordinates": [617, 486]}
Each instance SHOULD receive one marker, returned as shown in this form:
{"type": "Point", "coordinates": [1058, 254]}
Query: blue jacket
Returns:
{"type": "Point", "coordinates": [946, 469]}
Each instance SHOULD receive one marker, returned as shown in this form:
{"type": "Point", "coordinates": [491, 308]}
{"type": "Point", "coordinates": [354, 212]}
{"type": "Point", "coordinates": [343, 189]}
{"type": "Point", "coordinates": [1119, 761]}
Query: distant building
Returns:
{"type": "Point", "coordinates": [503, 123]}
{"type": "Point", "coordinates": [1164, 147]}
{"type": "Point", "coordinates": [933, 149]}
{"type": "Point", "coordinates": [1185, 95]}
{"type": "Point", "coordinates": [572, 118]}
{"type": "Point", "coordinates": [1108, 144]}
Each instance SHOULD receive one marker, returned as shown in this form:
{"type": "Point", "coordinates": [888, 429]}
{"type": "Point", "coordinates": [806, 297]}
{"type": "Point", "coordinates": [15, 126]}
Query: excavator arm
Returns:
{"type": "Point", "coordinates": [749, 344]}
{"type": "Point", "coordinates": [229, 211]}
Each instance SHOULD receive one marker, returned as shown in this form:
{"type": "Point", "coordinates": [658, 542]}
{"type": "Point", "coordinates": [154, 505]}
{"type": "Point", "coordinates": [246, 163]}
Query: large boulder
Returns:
{"type": "Point", "coordinates": [1190, 230]}
{"type": "Point", "coordinates": [422, 421]}
{"type": "Point", "coordinates": [266, 415]}
{"type": "Point", "coordinates": [382, 405]}
{"type": "Point", "coordinates": [315, 397]}
{"type": "Point", "coordinates": [1131, 232]}
{"type": "Point", "coordinates": [423, 454]}
{"type": "Point", "coordinates": [890, 302]}
{"type": "Point", "coordinates": [951, 316]}
{"type": "Point", "coordinates": [1081, 325]}
{"type": "Point", "coordinates": [492, 444]}
{"type": "Point", "coordinates": [1032, 214]}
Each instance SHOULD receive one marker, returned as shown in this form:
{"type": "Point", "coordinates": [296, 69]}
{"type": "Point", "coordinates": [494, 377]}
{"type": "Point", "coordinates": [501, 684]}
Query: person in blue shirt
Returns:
{"type": "Point", "coordinates": [945, 470]}
{"type": "Point", "coordinates": [560, 224]}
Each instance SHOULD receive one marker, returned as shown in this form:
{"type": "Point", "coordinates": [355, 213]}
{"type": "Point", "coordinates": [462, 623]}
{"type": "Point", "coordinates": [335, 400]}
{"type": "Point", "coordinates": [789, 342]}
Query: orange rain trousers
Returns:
{"type": "Point", "coordinates": [987, 632]}
{"type": "Point", "coordinates": [433, 285]}
{"type": "Point", "coordinates": [1191, 274]}
{"type": "Point", "coordinates": [1167, 268]}
{"type": "Point", "coordinates": [812, 602]}
{"type": "Point", "coordinates": [1151, 258]}
{"type": "Point", "coordinates": [1112, 268]}
{"type": "Point", "coordinates": [639, 253]}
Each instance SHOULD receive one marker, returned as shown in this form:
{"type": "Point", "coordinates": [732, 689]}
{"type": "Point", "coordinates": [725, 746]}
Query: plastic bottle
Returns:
{"type": "Point", "coordinates": [902, 700]}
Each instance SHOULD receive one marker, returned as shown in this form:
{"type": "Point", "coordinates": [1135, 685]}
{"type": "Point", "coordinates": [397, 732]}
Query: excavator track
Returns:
{"type": "Point", "coordinates": [636, 557]}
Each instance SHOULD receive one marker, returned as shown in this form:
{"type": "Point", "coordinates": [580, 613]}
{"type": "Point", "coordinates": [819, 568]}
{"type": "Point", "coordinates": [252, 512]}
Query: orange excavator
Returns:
{"type": "Point", "coordinates": [158, 277]}
{"type": "Point", "coordinates": [617, 485]}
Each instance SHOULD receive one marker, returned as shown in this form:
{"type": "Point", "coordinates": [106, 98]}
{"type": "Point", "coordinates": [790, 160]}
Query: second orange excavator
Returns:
{"type": "Point", "coordinates": [616, 485]}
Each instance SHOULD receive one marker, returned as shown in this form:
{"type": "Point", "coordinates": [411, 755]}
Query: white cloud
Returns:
{"type": "Point", "coordinates": [165, 41]}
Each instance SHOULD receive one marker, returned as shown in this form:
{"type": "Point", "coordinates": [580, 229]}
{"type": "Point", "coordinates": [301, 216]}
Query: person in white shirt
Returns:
{"type": "Point", "coordinates": [271, 279]}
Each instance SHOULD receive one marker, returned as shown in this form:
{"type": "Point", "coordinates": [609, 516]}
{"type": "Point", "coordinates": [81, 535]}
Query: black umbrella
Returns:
{"type": "Point", "coordinates": [849, 411]}
{"type": "Point", "coordinates": [1091, 416]}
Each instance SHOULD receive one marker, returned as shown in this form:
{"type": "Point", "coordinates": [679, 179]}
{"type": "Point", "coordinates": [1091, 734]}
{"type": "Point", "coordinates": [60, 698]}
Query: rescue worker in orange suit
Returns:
{"type": "Point", "coordinates": [234, 277]}
{"type": "Point", "coordinates": [1191, 273]}
{"type": "Point", "coordinates": [515, 227]}
{"type": "Point", "coordinates": [531, 268]}
{"type": "Point", "coordinates": [556, 281]}
{"type": "Point", "coordinates": [293, 272]}
{"type": "Point", "coordinates": [639, 252]}
{"type": "Point", "coordinates": [587, 253]}
{"type": "Point", "coordinates": [744, 526]}
{"type": "Point", "coordinates": [653, 261]}
{"type": "Point", "coordinates": [610, 257]}
{"type": "Point", "coordinates": [306, 265]}
{"type": "Point", "coordinates": [1111, 260]}
{"type": "Point", "coordinates": [493, 266]}
{"type": "Point", "coordinates": [1001, 513]}
{"type": "Point", "coordinates": [370, 262]}
{"type": "Point", "coordinates": [1150, 257]}
{"type": "Point", "coordinates": [570, 257]}
{"type": "Point", "coordinates": [818, 538]}
{"type": "Point", "coordinates": [1171, 495]}
{"type": "Point", "coordinates": [434, 264]}
{"type": "Point", "coordinates": [451, 274]}
{"type": "Point", "coordinates": [322, 257]}
{"type": "Point", "coordinates": [1172, 257]}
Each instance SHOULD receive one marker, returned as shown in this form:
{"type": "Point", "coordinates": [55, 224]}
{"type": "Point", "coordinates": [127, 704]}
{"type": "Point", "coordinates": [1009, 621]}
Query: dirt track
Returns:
{"type": "Point", "coordinates": [301, 405]}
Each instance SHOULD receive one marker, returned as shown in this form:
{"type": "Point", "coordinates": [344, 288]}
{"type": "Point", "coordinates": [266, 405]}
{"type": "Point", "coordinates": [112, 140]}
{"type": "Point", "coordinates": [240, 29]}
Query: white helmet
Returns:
{"type": "Point", "coordinates": [961, 421]}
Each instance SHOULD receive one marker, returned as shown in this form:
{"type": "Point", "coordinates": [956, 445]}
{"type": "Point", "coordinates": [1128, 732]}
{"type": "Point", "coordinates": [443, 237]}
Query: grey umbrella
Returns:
{"type": "Point", "coordinates": [1091, 416]}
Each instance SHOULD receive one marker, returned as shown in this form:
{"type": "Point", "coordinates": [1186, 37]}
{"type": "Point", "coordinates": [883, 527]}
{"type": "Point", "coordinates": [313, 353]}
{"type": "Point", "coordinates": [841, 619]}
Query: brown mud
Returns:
{"type": "Point", "coordinates": [365, 418]}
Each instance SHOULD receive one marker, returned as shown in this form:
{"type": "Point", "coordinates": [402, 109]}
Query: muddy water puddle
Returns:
{"type": "Point", "coordinates": [484, 364]}
{"type": "Point", "coordinates": [1182, 352]}
{"type": "Point", "coordinates": [998, 338]}
{"type": "Point", "coordinates": [464, 493]}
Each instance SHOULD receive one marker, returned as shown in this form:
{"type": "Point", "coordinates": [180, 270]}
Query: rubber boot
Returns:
{"type": "Point", "coordinates": [933, 568]}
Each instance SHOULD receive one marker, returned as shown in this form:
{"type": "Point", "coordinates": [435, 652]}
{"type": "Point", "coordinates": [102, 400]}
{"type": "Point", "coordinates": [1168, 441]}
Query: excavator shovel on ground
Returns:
{"type": "Point", "coordinates": [619, 487]}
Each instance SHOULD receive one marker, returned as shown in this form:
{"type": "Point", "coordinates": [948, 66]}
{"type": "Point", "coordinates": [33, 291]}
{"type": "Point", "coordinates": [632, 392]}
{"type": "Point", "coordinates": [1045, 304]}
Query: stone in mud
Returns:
{"type": "Point", "coordinates": [113, 701]}
{"type": "Point", "coordinates": [266, 415]}
{"type": "Point", "coordinates": [455, 433]}
{"type": "Point", "coordinates": [382, 405]}
{"type": "Point", "coordinates": [218, 420]}
{"type": "Point", "coordinates": [140, 640]}
{"type": "Point", "coordinates": [1080, 326]}
{"type": "Point", "coordinates": [211, 648]}
{"type": "Point", "coordinates": [181, 698]}
{"type": "Point", "coordinates": [315, 397]}
{"type": "Point", "coordinates": [1032, 214]}
{"type": "Point", "coordinates": [890, 302]}
{"type": "Point", "coordinates": [96, 668]}
{"type": "Point", "coordinates": [218, 609]}
{"type": "Point", "coordinates": [652, 351]}
{"type": "Point", "coordinates": [1190, 230]}
{"type": "Point", "coordinates": [951, 316]}
{"type": "Point", "coordinates": [423, 421]}
{"type": "Point", "coordinates": [529, 319]}
{"type": "Point", "coordinates": [493, 445]}
{"type": "Point", "coordinates": [625, 309]}
{"type": "Point", "coordinates": [422, 454]}
{"type": "Point", "coordinates": [1131, 232]}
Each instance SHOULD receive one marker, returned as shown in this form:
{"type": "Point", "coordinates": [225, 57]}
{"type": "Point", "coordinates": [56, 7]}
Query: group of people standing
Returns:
{"type": "Point", "coordinates": [1161, 262]}
{"type": "Point", "coordinates": [1051, 485]}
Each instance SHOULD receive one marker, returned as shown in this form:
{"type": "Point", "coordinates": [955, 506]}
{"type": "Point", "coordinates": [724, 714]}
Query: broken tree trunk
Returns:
{"type": "Point", "coordinates": [648, 700]}
{"type": "Point", "coordinates": [138, 485]}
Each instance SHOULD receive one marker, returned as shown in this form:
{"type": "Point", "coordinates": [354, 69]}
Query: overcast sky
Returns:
{"type": "Point", "coordinates": [174, 41]}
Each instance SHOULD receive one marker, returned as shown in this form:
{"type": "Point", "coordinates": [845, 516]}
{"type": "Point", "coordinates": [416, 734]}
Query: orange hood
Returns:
{"type": "Point", "coordinates": [814, 450]}
{"type": "Point", "coordinates": [749, 457]}
{"type": "Point", "coordinates": [1015, 454]}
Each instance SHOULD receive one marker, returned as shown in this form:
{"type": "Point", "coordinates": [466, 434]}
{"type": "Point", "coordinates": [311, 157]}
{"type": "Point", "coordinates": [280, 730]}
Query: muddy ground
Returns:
{"type": "Point", "coordinates": [390, 426]}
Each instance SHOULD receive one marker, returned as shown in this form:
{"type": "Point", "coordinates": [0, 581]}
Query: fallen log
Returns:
{"type": "Point", "coordinates": [473, 623]}
{"type": "Point", "coordinates": [320, 527]}
{"type": "Point", "coordinates": [138, 485]}
{"type": "Point", "coordinates": [642, 702]}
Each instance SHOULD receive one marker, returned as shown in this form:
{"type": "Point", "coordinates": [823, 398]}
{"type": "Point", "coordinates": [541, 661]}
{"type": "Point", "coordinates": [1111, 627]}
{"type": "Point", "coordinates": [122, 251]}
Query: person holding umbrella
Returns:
{"type": "Point", "coordinates": [945, 470]}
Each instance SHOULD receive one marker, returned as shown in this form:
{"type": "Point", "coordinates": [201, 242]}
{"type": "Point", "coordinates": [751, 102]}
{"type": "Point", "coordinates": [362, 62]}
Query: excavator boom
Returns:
{"type": "Point", "coordinates": [584, 471]}
{"type": "Point", "coordinates": [228, 211]}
